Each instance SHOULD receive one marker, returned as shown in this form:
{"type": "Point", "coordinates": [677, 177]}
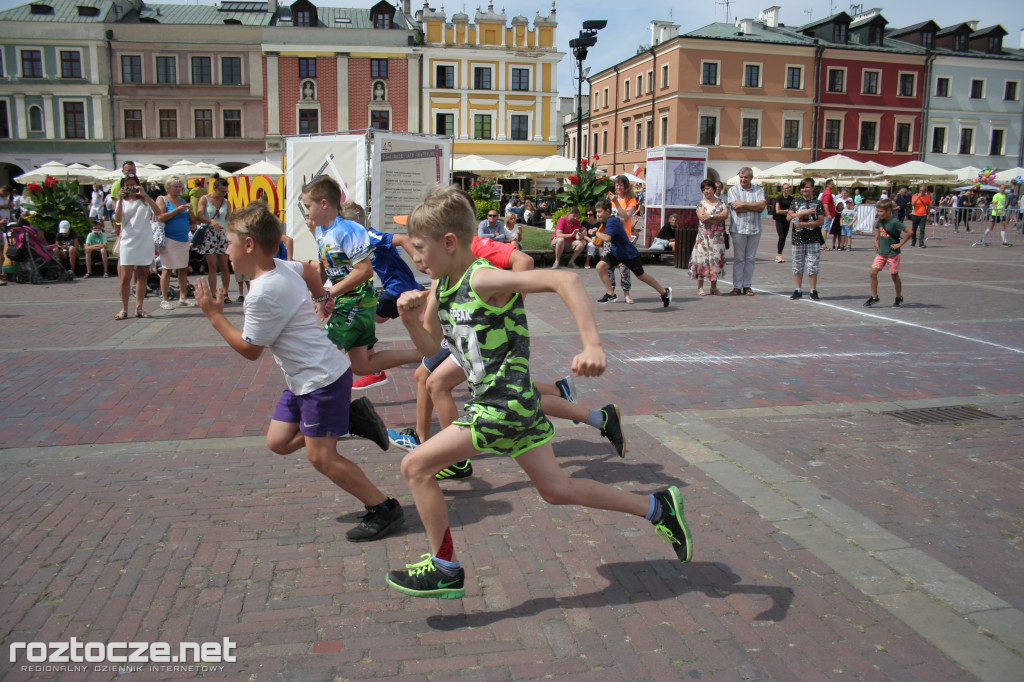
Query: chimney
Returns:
{"type": "Point", "coordinates": [771, 16]}
{"type": "Point", "coordinates": [746, 26]}
{"type": "Point", "coordinates": [272, 6]}
{"type": "Point", "coordinates": [663, 31]}
{"type": "Point", "coordinates": [973, 23]}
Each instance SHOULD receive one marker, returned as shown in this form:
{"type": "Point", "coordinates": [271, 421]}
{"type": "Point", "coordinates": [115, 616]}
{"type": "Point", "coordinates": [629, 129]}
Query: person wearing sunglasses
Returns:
{"type": "Point", "coordinates": [493, 229]}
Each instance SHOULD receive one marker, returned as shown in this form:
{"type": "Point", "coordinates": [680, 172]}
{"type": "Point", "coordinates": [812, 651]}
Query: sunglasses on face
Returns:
{"type": "Point", "coordinates": [492, 215]}
{"type": "Point", "coordinates": [128, 175]}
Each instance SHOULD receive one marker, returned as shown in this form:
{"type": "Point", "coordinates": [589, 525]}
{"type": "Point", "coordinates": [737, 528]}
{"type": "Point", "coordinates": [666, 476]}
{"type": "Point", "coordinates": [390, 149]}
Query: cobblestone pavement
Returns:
{"type": "Point", "coordinates": [832, 541]}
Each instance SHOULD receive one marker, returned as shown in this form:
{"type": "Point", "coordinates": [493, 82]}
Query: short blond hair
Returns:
{"type": "Point", "coordinates": [444, 210]}
{"type": "Point", "coordinates": [256, 221]}
{"type": "Point", "coordinates": [350, 210]}
{"type": "Point", "coordinates": [886, 205]}
{"type": "Point", "coordinates": [323, 187]}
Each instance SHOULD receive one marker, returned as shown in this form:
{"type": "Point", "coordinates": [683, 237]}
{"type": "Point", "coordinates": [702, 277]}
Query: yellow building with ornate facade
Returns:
{"type": "Point", "coordinates": [491, 85]}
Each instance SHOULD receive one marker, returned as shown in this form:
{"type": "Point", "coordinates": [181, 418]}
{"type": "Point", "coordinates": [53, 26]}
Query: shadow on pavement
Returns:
{"type": "Point", "coordinates": [633, 582]}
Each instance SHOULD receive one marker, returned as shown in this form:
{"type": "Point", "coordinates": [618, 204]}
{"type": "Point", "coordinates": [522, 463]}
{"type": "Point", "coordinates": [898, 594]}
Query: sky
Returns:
{"type": "Point", "coordinates": [619, 40]}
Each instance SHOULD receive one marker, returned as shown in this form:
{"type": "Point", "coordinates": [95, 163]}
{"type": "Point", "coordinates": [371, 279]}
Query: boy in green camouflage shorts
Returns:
{"type": "Point", "coordinates": [479, 310]}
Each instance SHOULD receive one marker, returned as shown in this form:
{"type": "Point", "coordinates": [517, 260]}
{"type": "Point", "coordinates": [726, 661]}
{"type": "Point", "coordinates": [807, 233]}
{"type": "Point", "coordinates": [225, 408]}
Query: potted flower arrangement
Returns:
{"type": "Point", "coordinates": [54, 201]}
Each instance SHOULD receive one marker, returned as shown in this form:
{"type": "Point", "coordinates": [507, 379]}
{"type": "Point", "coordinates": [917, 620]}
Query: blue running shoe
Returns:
{"type": "Point", "coordinates": [405, 439]}
{"type": "Point", "coordinates": [567, 387]}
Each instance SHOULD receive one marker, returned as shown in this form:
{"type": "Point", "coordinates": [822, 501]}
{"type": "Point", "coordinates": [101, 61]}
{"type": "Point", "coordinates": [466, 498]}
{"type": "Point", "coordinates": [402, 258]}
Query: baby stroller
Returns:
{"type": "Point", "coordinates": [36, 261]}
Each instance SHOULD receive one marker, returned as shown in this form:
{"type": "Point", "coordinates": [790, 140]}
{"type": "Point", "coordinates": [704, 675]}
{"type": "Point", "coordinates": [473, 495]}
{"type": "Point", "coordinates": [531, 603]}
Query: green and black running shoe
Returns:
{"type": "Point", "coordinates": [612, 429]}
{"type": "Point", "coordinates": [463, 469]}
{"type": "Point", "coordinates": [672, 525]}
{"type": "Point", "coordinates": [424, 580]}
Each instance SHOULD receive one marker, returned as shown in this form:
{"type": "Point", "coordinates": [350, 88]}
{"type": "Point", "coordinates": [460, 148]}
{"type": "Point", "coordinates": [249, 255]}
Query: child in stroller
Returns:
{"type": "Point", "coordinates": [34, 258]}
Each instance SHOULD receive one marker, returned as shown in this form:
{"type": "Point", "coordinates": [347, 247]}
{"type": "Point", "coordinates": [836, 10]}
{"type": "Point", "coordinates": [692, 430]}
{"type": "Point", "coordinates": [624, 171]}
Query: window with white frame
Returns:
{"type": "Point", "coordinates": [625, 137]}
{"type": "Point", "coordinates": [649, 123]}
{"type": "Point", "coordinates": [977, 88]}
{"type": "Point", "coordinates": [870, 79]}
{"type": "Point", "coordinates": [202, 71]}
{"type": "Point", "coordinates": [232, 122]}
{"type": "Point", "coordinates": [70, 64]}
{"type": "Point", "coordinates": [791, 133]}
{"type": "Point", "coordinates": [664, 75]}
{"type": "Point", "coordinates": [444, 124]}
{"type": "Point", "coordinates": [639, 130]}
{"type": "Point", "coordinates": [942, 86]}
{"type": "Point", "coordinates": [837, 79]}
{"type": "Point", "coordinates": [133, 124]}
{"type": "Point", "coordinates": [868, 135]}
{"type": "Point", "coordinates": [995, 147]}
{"type": "Point", "coordinates": [74, 120]}
{"type": "Point", "coordinates": [751, 75]}
{"type": "Point", "coordinates": [1010, 91]}
{"type": "Point", "coordinates": [168, 119]}
{"type": "Point", "coordinates": [231, 70]}
{"type": "Point", "coordinates": [903, 136]}
{"type": "Point", "coordinates": [625, 90]}
{"type": "Point", "coordinates": [709, 72]}
{"type": "Point", "coordinates": [907, 84]}
{"type": "Point", "coordinates": [750, 132]}
{"type": "Point", "coordinates": [794, 78]}
{"type": "Point", "coordinates": [650, 82]}
{"type": "Point", "coordinates": [519, 127]}
{"type": "Point", "coordinates": [663, 135]}
{"type": "Point", "coordinates": [481, 78]}
{"type": "Point", "coordinates": [35, 119]}
{"type": "Point", "coordinates": [5, 123]}
{"type": "Point", "coordinates": [444, 76]}
{"type": "Point", "coordinates": [31, 63]}
{"type": "Point", "coordinates": [482, 127]}
{"type": "Point", "coordinates": [604, 141]}
{"type": "Point", "coordinates": [639, 85]}
{"type": "Point", "coordinates": [203, 119]}
{"type": "Point", "coordinates": [707, 126]}
{"type": "Point", "coordinates": [966, 141]}
{"type": "Point", "coordinates": [939, 140]}
{"type": "Point", "coordinates": [520, 79]}
{"type": "Point", "coordinates": [309, 121]}
{"type": "Point", "coordinates": [131, 68]}
{"type": "Point", "coordinates": [833, 133]}
{"type": "Point", "coordinates": [166, 70]}
{"type": "Point", "coordinates": [606, 98]}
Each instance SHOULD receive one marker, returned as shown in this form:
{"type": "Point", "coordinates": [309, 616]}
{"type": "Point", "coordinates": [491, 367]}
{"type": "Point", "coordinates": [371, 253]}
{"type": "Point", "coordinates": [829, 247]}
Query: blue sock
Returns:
{"type": "Point", "coordinates": [449, 568]}
{"type": "Point", "coordinates": [654, 511]}
{"type": "Point", "coordinates": [596, 419]}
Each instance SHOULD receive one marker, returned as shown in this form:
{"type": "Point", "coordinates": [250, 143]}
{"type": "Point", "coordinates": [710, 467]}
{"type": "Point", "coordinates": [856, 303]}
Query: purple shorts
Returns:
{"type": "Point", "coordinates": [324, 412]}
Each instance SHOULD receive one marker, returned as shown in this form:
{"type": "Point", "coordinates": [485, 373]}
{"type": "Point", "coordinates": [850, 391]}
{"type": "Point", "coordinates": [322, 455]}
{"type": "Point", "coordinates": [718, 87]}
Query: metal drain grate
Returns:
{"type": "Point", "coordinates": [942, 415]}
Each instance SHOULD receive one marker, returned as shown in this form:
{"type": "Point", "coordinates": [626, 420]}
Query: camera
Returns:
{"type": "Point", "coordinates": [132, 190]}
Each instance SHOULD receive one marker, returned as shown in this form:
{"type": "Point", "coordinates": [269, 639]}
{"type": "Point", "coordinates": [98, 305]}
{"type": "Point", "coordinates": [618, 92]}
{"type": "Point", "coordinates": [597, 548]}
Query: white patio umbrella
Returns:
{"type": "Point", "coordinates": [260, 168]}
{"type": "Point", "coordinates": [81, 172]}
{"type": "Point", "coordinates": [477, 164]}
{"type": "Point", "coordinates": [783, 172]}
{"type": "Point", "coordinates": [837, 164]}
{"type": "Point", "coordinates": [549, 165]}
{"type": "Point", "coordinates": [634, 179]}
{"type": "Point", "coordinates": [185, 169]}
{"type": "Point", "coordinates": [50, 168]}
{"type": "Point", "coordinates": [919, 171]}
{"type": "Point", "coordinates": [1003, 177]}
{"type": "Point", "coordinates": [875, 167]}
{"type": "Point", "coordinates": [966, 174]}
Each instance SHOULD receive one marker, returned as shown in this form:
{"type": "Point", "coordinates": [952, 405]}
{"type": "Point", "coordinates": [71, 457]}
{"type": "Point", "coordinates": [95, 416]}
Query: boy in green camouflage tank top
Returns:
{"type": "Point", "coordinates": [479, 310]}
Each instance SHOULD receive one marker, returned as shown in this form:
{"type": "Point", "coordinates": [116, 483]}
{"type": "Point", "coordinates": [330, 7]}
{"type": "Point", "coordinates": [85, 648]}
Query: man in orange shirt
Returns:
{"type": "Point", "coordinates": [921, 203]}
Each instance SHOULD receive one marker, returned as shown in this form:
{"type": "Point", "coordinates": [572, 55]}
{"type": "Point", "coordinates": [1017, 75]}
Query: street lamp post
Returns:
{"type": "Point", "coordinates": [586, 39]}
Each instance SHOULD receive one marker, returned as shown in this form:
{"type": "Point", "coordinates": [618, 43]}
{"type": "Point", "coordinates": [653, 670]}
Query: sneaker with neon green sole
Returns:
{"type": "Point", "coordinates": [672, 526]}
{"type": "Point", "coordinates": [463, 469]}
{"type": "Point", "coordinates": [423, 579]}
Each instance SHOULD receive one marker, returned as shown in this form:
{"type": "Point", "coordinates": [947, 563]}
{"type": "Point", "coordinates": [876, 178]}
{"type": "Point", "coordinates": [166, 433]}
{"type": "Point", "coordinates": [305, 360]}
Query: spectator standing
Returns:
{"type": "Point", "coordinates": [808, 216]}
{"type": "Point", "coordinates": [782, 203]}
{"type": "Point", "coordinates": [134, 212]}
{"type": "Point", "coordinates": [828, 202]}
{"type": "Point", "coordinates": [746, 201]}
{"type": "Point", "coordinates": [177, 216]}
{"type": "Point", "coordinates": [965, 206]}
{"type": "Point", "coordinates": [920, 204]}
{"type": "Point", "coordinates": [213, 211]}
{"type": "Point", "coordinates": [708, 258]}
{"type": "Point", "coordinates": [901, 201]}
{"type": "Point", "coordinates": [568, 232]}
{"type": "Point", "coordinates": [96, 202]}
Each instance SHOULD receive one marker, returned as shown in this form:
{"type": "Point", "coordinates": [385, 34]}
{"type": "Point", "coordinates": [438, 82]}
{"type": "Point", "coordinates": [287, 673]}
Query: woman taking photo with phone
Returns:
{"type": "Point", "coordinates": [134, 212]}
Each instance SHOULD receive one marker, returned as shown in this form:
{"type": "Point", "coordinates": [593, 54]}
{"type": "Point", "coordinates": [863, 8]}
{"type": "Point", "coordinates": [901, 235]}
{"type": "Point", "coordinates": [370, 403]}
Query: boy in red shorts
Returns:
{"type": "Point", "coordinates": [890, 236]}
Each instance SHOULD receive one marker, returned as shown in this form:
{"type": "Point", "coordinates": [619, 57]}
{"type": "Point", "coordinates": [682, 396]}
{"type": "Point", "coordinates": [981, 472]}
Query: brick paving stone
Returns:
{"type": "Point", "coordinates": [167, 540]}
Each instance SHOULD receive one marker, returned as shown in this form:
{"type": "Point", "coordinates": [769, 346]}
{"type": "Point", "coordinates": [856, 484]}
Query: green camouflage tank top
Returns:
{"type": "Point", "coordinates": [493, 347]}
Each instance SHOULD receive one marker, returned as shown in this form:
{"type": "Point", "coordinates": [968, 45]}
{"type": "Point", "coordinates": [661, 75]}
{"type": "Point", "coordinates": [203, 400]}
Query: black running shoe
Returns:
{"type": "Point", "coordinates": [364, 422]}
{"type": "Point", "coordinates": [672, 525]}
{"type": "Point", "coordinates": [898, 303]}
{"type": "Point", "coordinates": [612, 428]}
{"type": "Point", "coordinates": [424, 580]}
{"type": "Point", "coordinates": [796, 295]}
{"type": "Point", "coordinates": [608, 298]}
{"type": "Point", "coordinates": [378, 522]}
{"type": "Point", "coordinates": [463, 469]}
{"type": "Point", "coordinates": [871, 301]}
{"type": "Point", "coordinates": [666, 298]}
{"type": "Point", "coordinates": [814, 295]}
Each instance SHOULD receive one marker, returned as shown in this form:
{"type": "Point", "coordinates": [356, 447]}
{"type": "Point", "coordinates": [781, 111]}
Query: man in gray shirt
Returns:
{"type": "Point", "coordinates": [746, 201]}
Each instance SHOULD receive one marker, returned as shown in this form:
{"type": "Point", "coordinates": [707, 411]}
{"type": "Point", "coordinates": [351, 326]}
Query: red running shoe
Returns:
{"type": "Point", "coordinates": [365, 382]}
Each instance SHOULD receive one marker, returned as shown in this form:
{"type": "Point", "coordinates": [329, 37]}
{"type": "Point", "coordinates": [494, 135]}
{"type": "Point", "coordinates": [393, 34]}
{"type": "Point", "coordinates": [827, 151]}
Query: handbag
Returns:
{"type": "Point", "coordinates": [659, 244]}
{"type": "Point", "coordinates": [159, 238]}
{"type": "Point", "coordinates": [727, 239]}
{"type": "Point", "coordinates": [199, 237]}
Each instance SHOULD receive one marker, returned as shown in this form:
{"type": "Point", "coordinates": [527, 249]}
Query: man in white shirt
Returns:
{"type": "Point", "coordinates": [746, 201]}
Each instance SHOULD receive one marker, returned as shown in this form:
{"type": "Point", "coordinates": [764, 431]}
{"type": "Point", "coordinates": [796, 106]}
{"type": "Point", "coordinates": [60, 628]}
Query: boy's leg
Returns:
{"type": "Point", "coordinates": [103, 257]}
{"type": "Point", "coordinates": [874, 282]}
{"type": "Point", "coordinates": [323, 455]}
{"type": "Point", "coordinates": [284, 438]}
{"type": "Point", "coordinates": [897, 282]}
{"type": "Point", "coordinates": [607, 419]}
{"type": "Point", "coordinates": [366, 361]}
{"type": "Point", "coordinates": [440, 384]}
{"type": "Point", "coordinates": [424, 405]}
{"type": "Point", "coordinates": [606, 280]}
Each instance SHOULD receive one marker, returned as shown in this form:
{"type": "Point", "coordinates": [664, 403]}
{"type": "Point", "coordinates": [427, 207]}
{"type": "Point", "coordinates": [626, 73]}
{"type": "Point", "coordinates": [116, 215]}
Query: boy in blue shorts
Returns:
{"type": "Point", "coordinates": [478, 309]}
{"type": "Point", "coordinates": [890, 236]}
{"type": "Point", "coordinates": [314, 408]}
{"type": "Point", "coordinates": [621, 250]}
{"type": "Point", "coordinates": [849, 217]}
{"type": "Point", "coordinates": [345, 249]}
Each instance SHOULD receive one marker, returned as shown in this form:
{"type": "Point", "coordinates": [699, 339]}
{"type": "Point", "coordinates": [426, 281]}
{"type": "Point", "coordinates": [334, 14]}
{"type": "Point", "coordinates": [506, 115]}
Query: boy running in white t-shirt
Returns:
{"type": "Point", "coordinates": [313, 410]}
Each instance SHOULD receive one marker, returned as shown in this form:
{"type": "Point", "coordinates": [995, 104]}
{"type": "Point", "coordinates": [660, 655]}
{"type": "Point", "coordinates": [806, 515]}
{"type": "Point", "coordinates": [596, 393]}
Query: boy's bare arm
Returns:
{"type": "Point", "coordinates": [426, 336]}
{"type": "Point", "coordinates": [402, 241]}
{"type": "Point", "coordinates": [496, 285]}
{"type": "Point", "coordinates": [311, 276]}
{"type": "Point", "coordinates": [213, 308]}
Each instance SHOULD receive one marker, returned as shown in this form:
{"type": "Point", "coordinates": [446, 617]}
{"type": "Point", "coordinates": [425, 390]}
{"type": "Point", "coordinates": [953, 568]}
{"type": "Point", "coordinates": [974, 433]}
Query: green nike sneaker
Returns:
{"type": "Point", "coordinates": [672, 525]}
{"type": "Point", "coordinates": [424, 580]}
{"type": "Point", "coordinates": [612, 429]}
{"type": "Point", "coordinates": [463, 469]}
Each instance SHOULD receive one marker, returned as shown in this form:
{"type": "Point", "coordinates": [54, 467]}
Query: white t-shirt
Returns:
{"type": "Point", "coordinates": [279, 314]}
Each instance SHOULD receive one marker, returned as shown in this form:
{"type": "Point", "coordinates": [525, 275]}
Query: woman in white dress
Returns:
{"type": "Point", "coordinates": [134, 212]}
